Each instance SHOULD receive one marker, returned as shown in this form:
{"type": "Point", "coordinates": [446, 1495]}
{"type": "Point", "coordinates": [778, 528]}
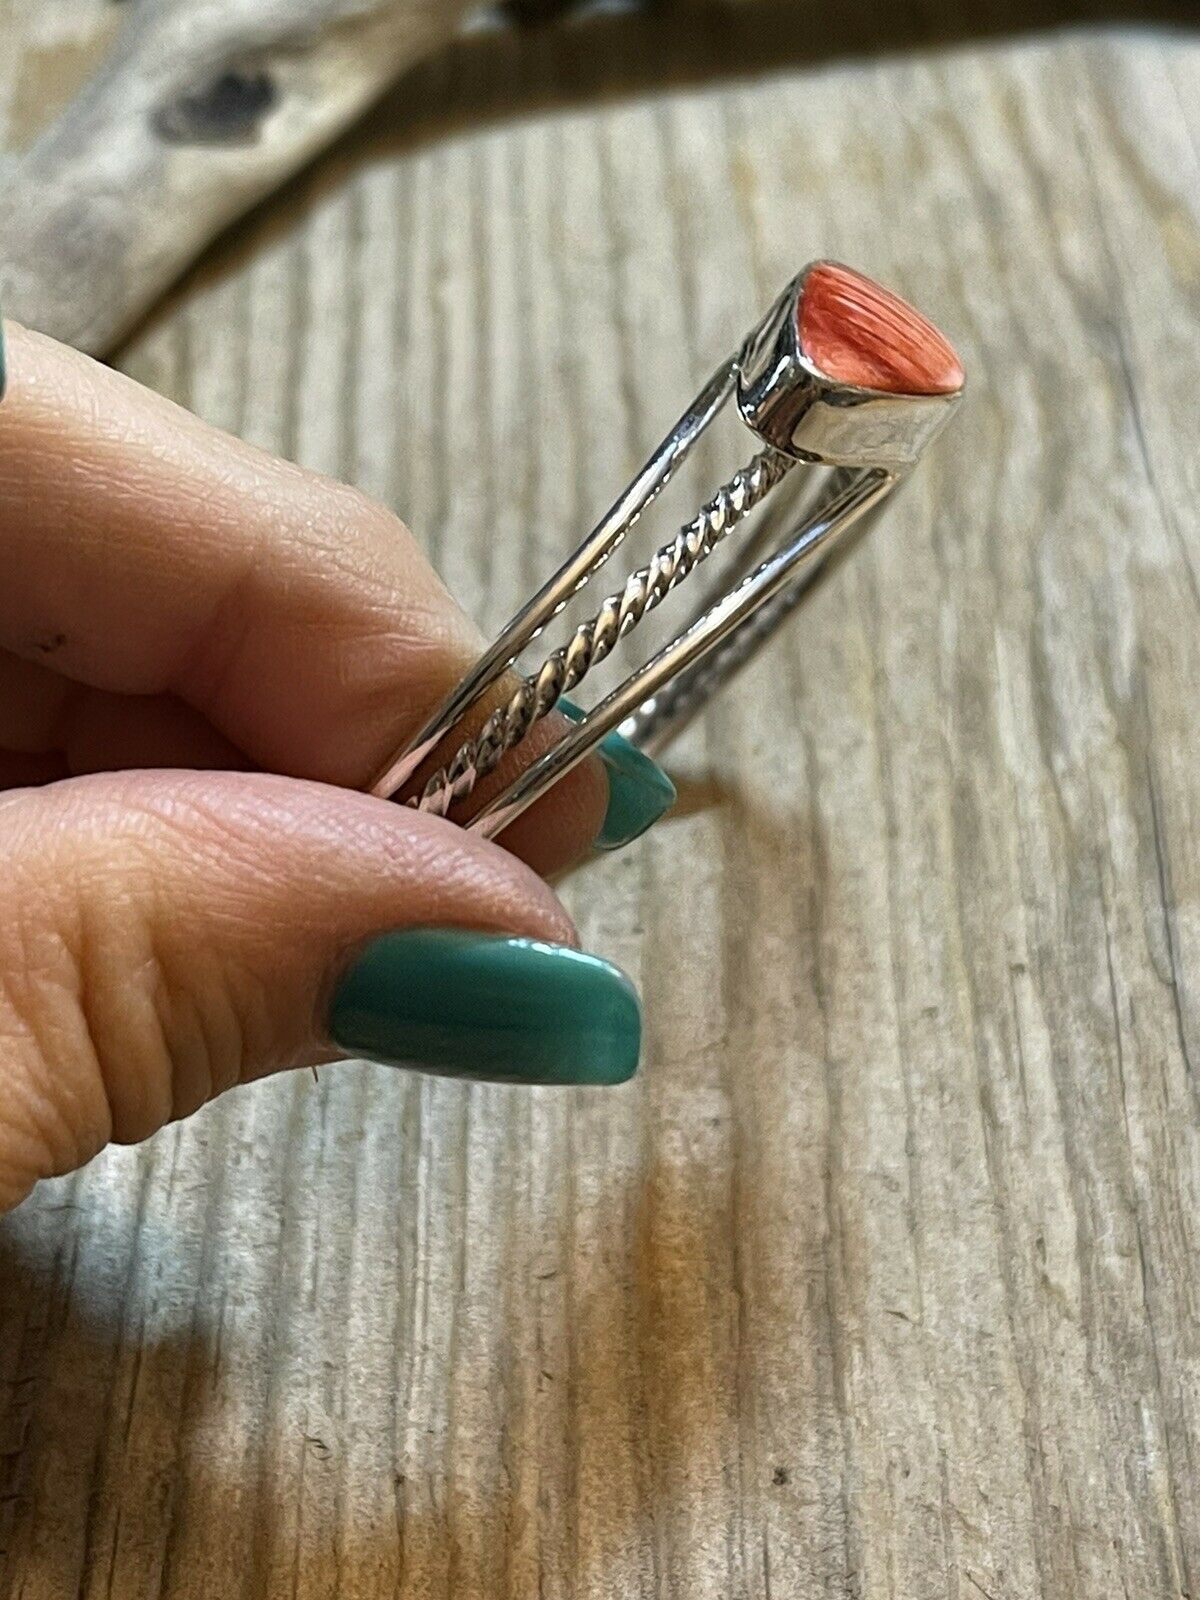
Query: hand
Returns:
{"type": "Point", "coordinates": [203, 654]}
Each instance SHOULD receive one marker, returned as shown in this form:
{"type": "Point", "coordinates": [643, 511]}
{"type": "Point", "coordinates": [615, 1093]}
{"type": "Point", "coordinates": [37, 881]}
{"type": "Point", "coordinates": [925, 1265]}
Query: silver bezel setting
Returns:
{"type": "Point", "coordinates": [792, 405]}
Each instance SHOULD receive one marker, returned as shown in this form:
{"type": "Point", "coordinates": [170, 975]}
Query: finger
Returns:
{"type": "Point", "coordinates": [147, 554]}
{"type": "Point", "coordinates": [72, 729]}
{"type": "Point", "coordinates": [166, 936]}
{"type": "Point", "coordinates": [54, 728]}
{"type": "Point", "coordinates": [109, 732]}
{"type": "Point", "coordinates": [64, 728]}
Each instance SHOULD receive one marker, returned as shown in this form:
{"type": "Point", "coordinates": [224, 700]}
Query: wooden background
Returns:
{"type": "Point", "coordinates": [884, 1279]}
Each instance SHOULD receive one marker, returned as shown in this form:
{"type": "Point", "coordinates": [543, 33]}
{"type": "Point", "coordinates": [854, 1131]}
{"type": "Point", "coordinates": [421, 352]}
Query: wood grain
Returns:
{"type": "Point", "coordinates": [885, 1278]}
{"type": "Point", "coordinates": [198, 111]}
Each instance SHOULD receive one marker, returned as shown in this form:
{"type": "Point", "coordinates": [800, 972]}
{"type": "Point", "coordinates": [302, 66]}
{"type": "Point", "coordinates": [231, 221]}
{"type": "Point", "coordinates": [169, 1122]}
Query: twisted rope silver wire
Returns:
{"type": "Point", "coordinates": [595, 639]}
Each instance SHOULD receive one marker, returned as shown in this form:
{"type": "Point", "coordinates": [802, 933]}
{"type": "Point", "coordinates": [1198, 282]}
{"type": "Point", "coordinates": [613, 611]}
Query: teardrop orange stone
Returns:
{"type": "Point", "coordinates": [855, 331]}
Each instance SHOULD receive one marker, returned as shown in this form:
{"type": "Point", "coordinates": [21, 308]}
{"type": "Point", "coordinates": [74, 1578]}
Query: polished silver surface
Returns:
{"type": "Point", "coordinates": [664, 715]}
{"type": "Point", "coordinates": [594, 640]}
{"type": "Point", "coordinates": [606, 537]}
{"type": "Point", "coordinates": [793, 406]}
{"type": "Point", "coordinates": [803, 418]}
{"type": "Point", "coordinates": [720, 623]}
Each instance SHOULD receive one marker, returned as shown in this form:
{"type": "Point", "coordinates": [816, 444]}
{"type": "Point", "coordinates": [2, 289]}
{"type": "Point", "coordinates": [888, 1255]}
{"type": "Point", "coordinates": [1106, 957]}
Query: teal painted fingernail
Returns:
{"type": "Point", "coordinates": [639, 791]}
{"type": "Point", "coordinates": [470, 1005]}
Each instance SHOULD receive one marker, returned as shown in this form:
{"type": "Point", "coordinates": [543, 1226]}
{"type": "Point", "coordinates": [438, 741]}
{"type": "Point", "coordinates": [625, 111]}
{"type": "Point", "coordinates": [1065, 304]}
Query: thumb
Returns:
{"type": "Point", "coordinates": [165, 936]}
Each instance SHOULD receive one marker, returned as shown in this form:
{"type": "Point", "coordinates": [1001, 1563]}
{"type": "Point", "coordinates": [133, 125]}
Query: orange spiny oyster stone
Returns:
{"type": "Point", "coordinates": [856, 332]}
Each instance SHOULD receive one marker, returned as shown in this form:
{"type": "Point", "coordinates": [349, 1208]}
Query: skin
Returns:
{"type": "Point", "coordinates": [203, 651]}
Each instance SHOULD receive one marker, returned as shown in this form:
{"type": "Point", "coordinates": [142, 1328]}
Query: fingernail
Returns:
{"type": "Point", "coordinates": [470, 1005]}
{"type": "Point", "coordinates": [639, 791]}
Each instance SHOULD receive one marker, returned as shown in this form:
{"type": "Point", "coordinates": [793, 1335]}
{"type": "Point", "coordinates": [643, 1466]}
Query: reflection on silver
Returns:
{"type": "Point", "coordinates": [801, 417]}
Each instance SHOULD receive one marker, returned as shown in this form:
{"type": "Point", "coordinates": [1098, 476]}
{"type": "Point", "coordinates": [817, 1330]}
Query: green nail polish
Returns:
{"type": "Point", "coordinates": [639, 791]}
{"type": "Point", "coordinates": [470, 1005]}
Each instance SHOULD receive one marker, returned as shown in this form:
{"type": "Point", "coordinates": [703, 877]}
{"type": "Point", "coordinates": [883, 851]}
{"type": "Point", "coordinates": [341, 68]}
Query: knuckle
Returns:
{"type": "Point", "coordinates": [54, 1115]}
{"type": "Point", "coordinates": [110, 1025]}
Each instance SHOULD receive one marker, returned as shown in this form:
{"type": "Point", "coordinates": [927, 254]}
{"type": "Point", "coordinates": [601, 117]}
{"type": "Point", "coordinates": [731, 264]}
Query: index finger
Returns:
{"type": "Point", "coordinates": [146, 553]}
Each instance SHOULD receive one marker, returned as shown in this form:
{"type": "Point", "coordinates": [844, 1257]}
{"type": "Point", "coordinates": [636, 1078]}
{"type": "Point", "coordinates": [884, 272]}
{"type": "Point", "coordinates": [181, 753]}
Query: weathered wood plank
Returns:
{"type": "Point", "coordinates": [884, 1281]}
{"type": "Point", "coordinates": [197, 112]}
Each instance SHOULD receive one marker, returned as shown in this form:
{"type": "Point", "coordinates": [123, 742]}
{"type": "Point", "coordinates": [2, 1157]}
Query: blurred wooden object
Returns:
{"type": "Point", "coordinates": [199, 110]}
{"type": "Point", "coordinates": [885, 1279]}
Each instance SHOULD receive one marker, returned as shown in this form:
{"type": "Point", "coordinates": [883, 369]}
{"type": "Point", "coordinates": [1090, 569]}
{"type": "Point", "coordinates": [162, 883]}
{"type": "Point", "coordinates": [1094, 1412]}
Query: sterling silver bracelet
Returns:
{"type": "Point", "coordinates": [840, 373]}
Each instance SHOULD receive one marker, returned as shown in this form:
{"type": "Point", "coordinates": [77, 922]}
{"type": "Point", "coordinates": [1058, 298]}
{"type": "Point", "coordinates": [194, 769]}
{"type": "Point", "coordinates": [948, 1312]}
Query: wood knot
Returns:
{"type": "Point", "coordinates": [227, 110]}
